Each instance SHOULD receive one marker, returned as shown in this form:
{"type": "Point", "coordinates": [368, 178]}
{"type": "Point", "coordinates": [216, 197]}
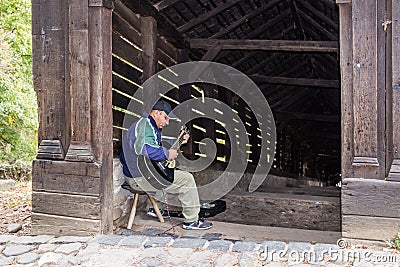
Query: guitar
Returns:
{"type": "Point", "coordinates": [160, 174]}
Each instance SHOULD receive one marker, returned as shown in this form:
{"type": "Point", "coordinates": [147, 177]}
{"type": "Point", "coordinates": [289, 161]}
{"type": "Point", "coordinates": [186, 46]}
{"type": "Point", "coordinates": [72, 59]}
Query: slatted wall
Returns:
{"type": "Point", "coordinates": [127, 77]}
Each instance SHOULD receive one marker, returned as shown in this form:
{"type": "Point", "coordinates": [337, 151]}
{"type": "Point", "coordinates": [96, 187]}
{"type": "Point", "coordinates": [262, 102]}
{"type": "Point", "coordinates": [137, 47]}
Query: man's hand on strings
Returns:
{"type": "Point", "coordinates": [185, 138]}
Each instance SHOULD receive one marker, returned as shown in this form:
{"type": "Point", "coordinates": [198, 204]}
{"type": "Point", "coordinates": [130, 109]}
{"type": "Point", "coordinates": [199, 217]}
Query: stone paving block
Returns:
{"type": "Point", "coordinates": [188, 243]}
{"type": "Point", "coordinates": [133, 241]}
{"type": "Point", "coordinates": [248, 258]}
{"type": "Point", "coordinates": [275, 264]}
{"type": "Point", "coordinates": [27, 258]}
{"type": "Point", "coordinates": [5, 238]}
{"type": "Point", "coordinates": [128, 232]}
{"type": "Point", "coordinates": [152, 231]}
{"type": "Point", "coordinates": [150, 262]}
{"type": "Point", "coordinates": [212, 236]}
{"type": "Point", "coordinates": [50, 258]}
{"type": "Point", "coordinates": [179, 252]}
{"type": "Point", "coordinates": [92, 248]}
{"type": "Point", "coordinates": [110, 240]}
{"type": "Point", "coordinates": [220, 245]}
{"type": "Point", "coordinates": [69, 248]}
{"type": "Point", "coordinates": [114, 256]}
{"type": "Point", "coordinates": [272, 246]}
{"type": "Point", "coordinates": [174, 261]}
{"type": "Point", "coordinates": [199, 264]}
{"type": "Point", "coordinates": [6, 260]}
{"type": "Point", "coordinates": [72, 260]}
{"type": "Point", "coordinates": [225, 260]}
{"type": "Point", "coordinates": [71, 239]}
{"type": "Point", "coordinates": [192, 234]}
{"type": "Point", "coordinates": [243, 246]}
{"type": "Point", "coordinates": [232, 240]}
{"type": "Point", "coordinates": [299, 246]}
{"type": "Point", "coordinates": [321, 247]}
{"type": "Point", "coordinates": [15, 250]}
{"type": "Point", "coordinates": [199, 256]}
{"type": "Point", "coordinates": [43, 248]}
{"type": "Point", "coordinates": [32, 240]}
{"type": "Point", "coordinates": [156, 241]}
{"type": "Point", "coordinates": [152, 253]}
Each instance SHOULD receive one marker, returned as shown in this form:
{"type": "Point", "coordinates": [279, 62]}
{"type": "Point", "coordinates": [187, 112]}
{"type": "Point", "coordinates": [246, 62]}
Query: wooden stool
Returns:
{"type": "Point", "coordinates": [135, 203]}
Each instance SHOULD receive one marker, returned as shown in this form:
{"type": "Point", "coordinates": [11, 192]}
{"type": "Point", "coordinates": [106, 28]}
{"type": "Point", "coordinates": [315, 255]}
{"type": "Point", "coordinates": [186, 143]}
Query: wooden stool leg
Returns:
{"type": "Point", "coordinates": [133, 211]}
{"type": "Point", "coordinates": [156, 209]}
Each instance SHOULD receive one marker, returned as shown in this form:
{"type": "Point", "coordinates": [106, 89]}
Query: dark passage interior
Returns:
{"type": "Point", "coordinates": [289, 48]}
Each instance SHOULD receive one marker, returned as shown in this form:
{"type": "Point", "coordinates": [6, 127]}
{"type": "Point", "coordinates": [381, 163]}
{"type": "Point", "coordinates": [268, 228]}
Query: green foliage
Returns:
{"type": "Point", "coordinates": [18, 105]}
{"type": "Point", "coordinates": [394, 243]}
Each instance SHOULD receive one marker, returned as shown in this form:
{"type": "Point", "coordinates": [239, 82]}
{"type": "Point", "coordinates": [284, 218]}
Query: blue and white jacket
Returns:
{"type": "Point", "coordinates": [142, 138]}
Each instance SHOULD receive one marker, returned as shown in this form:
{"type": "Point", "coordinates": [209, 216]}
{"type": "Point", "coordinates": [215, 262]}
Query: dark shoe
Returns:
{"type": "Point", "coordinates": [200, 224]}
{"type": "Point", "coordinates": [151, 212]}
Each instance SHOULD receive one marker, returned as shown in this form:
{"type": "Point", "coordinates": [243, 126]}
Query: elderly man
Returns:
{"type": "Point", "coordinates": [144, 138]}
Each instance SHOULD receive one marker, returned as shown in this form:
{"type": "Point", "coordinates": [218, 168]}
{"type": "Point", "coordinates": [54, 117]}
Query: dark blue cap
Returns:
{"type": "Point", "coordinates": [166, 107]}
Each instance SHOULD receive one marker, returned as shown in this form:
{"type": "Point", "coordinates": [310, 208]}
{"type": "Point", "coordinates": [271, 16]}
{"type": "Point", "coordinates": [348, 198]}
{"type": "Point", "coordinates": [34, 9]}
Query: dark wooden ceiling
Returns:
{"type": "Point", "coordinates": [299, 76]}
{"type": "Point", "coordinates": [288, 47]}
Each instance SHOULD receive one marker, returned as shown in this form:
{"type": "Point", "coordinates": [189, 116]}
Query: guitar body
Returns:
{"type": "Point", "coordinates": [158, 177]}
{"type": "Point", "coordinates": [164, 170]}
{"type": "Point", "coordinates": [160, 174]}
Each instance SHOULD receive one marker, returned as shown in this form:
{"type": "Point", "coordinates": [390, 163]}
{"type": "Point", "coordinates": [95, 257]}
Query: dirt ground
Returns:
{"type": "Point", "coordinates": [16, 207]}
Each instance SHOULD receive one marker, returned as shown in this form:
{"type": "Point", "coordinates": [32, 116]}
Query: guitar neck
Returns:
{"type": "Point", "coordinates": [178, 142]}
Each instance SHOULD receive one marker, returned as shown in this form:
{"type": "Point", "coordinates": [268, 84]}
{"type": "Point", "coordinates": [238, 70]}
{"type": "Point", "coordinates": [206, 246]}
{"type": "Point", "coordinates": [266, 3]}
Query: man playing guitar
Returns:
{"type": "Point", "coordinates": [143, 138]}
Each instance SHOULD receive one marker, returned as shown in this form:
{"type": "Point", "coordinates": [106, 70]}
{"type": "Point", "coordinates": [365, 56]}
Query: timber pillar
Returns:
{"type": "Point", "coordinates": [369, 42]}
{"type": "Point", "coordinates": [72, 174]}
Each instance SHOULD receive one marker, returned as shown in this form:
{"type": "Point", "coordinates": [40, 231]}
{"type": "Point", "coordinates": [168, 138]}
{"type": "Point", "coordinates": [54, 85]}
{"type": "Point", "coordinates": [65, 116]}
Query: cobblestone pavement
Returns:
{"type": "Point", "coordinates": [147, 248]}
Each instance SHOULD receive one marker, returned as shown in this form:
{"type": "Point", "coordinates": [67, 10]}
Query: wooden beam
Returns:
{"type": "Point", "coordinates": [295, 81]}
{"type": "Point", "coordinates": [307, 116]}
{"type": "Point", "coordinates": [127, 14]}
{"type": "Point", "coordinates": [149, 46]}
{"type": "Point", "coordinates": [296, 18]}
{"type": "Point", "coordinates": [267, 25]}
{"type": "Point", "coordinates": [206, 16]}
{"type": "Point", "coordinates": [289, 100]}
{"type": "Point", "coordinates": [343, 1]}
{"type": "Point", "coordinates": [271, 45]}
{"type": "Point", "coordinates": [165, 27]}
{"type": "Point", "coordinates": [164, 4]}
{"type": "Point", "coordinates": [244, 19]}
{"type": "Point", "coordinates": [263, 63]}
{"type": "Point", "coordinates": [315, 24]}
{"type": "Point", "coordinates": [211, 53]}
{"type": "Point", "coordinates": [250, 55]}
{"type": "Point", "coordinates": [319, 14]}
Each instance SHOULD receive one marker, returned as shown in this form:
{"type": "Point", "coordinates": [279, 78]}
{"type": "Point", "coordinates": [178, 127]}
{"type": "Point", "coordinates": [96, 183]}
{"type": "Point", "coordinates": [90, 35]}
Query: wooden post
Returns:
{"type": "Point", "coordinates": [366, 108]}
{"type": "Point", "coordinates": [73, 196]}
{"type": "Point", "coordinates": [394, 173]}
{"type": "Point", "coordinates": [78, 59]}
{"type": "Point", "coordinates": [182, 56]}
{"type": "Point", "coordinates": [368, 102]}
{"type": "Point", "coordinates": [148, 28]}
{"type": "Point", "coordinates": [100, 47]}
{"type": "Point", "coordinates": [48, 42]}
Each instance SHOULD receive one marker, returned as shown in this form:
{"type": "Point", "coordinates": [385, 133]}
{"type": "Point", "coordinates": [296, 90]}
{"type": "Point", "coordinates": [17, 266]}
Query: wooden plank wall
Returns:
{"type": "Point", "coordinates": [72, 175]}
{"type": "Point", "coordinates": [138, 52]}
{"type": "Point", "coordinates": [369, 56]}
{"type": "Point", "coordinates": [134, 62]}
